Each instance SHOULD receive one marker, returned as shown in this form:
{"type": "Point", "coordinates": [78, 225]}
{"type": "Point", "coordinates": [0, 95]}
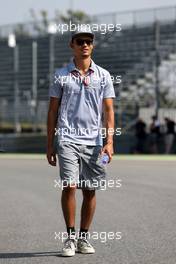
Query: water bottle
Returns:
{"type": "Point", "coordinates": [104, 159]}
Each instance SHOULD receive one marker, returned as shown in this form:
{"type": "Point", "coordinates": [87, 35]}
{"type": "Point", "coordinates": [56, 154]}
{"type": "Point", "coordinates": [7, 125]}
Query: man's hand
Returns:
{"type": "Point", "coordinates": [51, 156]}
{"type": "Point", "coordinates": [51, 125]}
{"type": "Point", "coordinates": [109, 124]}
{"type": "Point", "coordinates": [108, 149]}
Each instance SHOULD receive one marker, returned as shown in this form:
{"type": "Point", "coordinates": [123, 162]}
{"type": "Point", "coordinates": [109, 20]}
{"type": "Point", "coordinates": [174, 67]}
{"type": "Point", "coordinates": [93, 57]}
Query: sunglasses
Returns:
{"type": "Point", "coordinates": [80, 42]}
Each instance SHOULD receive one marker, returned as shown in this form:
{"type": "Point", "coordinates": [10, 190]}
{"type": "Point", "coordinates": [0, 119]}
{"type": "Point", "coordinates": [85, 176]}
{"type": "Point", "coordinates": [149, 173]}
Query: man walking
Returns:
{"type": "Point", "coordinates": [80, 92]}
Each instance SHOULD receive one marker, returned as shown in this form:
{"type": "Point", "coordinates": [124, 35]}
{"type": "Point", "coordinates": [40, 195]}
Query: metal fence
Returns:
{"type": "Point", "coordinates": [27, 111]}
{"type": "Point", "coordinates": [126, 18]}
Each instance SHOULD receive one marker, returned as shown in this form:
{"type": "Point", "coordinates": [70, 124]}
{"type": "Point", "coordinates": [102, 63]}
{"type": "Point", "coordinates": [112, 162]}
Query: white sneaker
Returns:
{"type": "Point", "coordinates": [70, 246]}
{"type": "Point", "coordinates": [83, 246]}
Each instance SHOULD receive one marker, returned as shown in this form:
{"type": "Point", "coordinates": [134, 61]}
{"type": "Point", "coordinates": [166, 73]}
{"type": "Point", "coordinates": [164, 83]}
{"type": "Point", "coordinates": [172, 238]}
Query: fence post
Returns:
{"type": "Point", "coordinates": [157, 63]}
{"type": "Point", "coordinates": [16, 90]}
{"type": "Point", "coordinates": [34, 85]}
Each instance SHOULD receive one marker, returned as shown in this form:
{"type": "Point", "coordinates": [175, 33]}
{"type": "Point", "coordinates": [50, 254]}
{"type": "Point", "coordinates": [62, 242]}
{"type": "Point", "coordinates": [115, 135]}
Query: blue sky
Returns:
{"type": "Point", "coordinates": [13, 11]}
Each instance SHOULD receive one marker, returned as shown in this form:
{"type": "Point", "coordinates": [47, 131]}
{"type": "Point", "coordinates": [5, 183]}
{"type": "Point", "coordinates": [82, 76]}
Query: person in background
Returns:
{"type": "Point", "coordinates": [170, 135]}
{"type": "Point", "coordinates": [154, 134]}
{"type": "Point", "coordinates": [140, 128]}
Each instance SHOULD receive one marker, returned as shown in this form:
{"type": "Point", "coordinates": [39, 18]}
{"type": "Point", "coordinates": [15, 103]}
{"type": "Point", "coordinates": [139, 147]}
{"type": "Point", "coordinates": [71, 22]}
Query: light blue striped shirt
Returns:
{"type": "Point", "coordinates": [80, 112]}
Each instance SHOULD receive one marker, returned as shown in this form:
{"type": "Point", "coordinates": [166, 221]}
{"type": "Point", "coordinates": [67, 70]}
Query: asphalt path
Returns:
{"type": "Point", "coordinates": [134, 223]}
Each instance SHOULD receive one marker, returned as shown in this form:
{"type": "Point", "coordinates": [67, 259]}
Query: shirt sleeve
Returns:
{"type": "Point", "coordinates": [108, 87]}
{"type": "Point", "coordinates": [55, 89]}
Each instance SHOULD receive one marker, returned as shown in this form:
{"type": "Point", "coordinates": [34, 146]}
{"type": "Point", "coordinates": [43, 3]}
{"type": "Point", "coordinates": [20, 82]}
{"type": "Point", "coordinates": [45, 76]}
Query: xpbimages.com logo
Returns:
{"type": "Point", "coordinates": [92, 81]}
{"type": "Point", "coordinates": [102, 236]}
{"type": "Point", "coordinates": [102, 184]}
{"type": "Point", "coordinates": [101, 28]}
{"type": "Point", "coordinates": [72, 131]}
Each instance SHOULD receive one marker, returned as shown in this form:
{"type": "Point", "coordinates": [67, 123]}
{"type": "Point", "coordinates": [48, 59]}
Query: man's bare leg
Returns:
{"type": "Point", "coordinates": [68, 202]}
{"type": "Point", "coordinates": [88, 208]}
{"type": "Point", "coordinates": [69, 207]}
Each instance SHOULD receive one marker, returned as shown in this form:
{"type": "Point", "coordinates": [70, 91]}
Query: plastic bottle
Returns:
{"type": "Point", "coordinates": [104, 159]}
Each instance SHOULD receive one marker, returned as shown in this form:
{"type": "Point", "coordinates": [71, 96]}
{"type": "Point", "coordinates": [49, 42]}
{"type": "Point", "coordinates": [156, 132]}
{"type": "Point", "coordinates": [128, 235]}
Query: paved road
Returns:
{"type": "Point", "coordinates": [143, 209]}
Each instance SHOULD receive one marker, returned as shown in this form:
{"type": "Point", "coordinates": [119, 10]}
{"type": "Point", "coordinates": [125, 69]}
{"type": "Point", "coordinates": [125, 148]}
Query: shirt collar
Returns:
{"type": "Point", "coordinates": [71, 66]}
{"type": "Point", "coordinates": [92, 66]}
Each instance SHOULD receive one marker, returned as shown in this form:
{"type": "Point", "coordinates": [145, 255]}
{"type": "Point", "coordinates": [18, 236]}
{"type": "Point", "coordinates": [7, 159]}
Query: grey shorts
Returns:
{"type": "Point", "coordinates": [80, 166]}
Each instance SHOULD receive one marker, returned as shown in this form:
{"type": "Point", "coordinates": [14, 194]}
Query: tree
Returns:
{"type": "Point", "coordinates": [75, 16]}
{"type": "Point", "coordinates": [40, 25]}
{"type": "Point", "coordinates": [21, 31]}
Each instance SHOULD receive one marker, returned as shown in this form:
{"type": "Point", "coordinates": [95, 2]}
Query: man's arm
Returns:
{"type": "Point", "coordinates": [51, 125]}
{"type": "Point", "coordinates": [109, 124]}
